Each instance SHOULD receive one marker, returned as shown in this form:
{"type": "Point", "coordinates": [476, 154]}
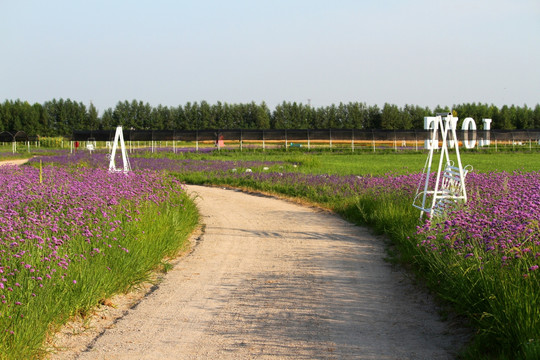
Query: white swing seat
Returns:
{"type": "Point", "coordinates": [448, 193]}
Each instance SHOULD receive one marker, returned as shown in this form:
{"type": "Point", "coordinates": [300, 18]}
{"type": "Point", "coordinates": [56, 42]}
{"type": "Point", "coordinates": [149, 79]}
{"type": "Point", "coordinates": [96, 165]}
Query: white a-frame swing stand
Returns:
{"type": "Point", "coordinates": [449, 184]}
{"type": "Point", "coordinates": [119, 137]}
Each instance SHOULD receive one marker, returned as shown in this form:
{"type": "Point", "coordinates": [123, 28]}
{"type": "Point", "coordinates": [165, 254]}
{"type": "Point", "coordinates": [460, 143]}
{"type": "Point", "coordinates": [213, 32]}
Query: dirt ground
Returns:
{"type": "Point", "coordinates": [269, 279]}
{"type": "Point", "coordinates": [14, 162]}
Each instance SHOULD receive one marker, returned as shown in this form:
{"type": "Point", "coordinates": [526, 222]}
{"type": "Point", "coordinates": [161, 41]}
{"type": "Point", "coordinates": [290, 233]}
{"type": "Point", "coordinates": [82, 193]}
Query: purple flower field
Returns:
{"type": "Point", "coordinates": [499, 222]}
{"type": "Point", "coordinates": [49, 231]}
{"type": "Point", "coordinates": [501, 217]}
{"type": "Point", "coordinates": [101, 160]}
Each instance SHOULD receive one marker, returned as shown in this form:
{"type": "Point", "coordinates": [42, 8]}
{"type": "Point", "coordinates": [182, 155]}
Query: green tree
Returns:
{"type": "Point", "coordinates": [180, 119]}
{"type": "Point", "coordinates": [494, 116]}
{"type": "Point", "coordinates": [505, 120]}
{"type": "Point", "coordinates": [92, 118]}
{"type": "Point", "coordinates": [43, 128]}
{"type": "Point", "coordinates": [107, 120]}
{"type": "Point", "coordinates": [355, 116]}
{"type": "Point", "coordinates": [205, 116]}
{"type": "Point", "coordinates": [262, 116]}
{"type": "Point", "coordinates": [279, 118]}
{"type": "Point", "coordinates": [31, 117]}
{"type": "Point", "coordinates": [330, 117]}
{"type": "Point", "coordinates": [536, 116]}
{"type": "Point", "coordinates": [416, 115]}
{"type": "Point", "coordinates": [219, 113]}
{"type": "Point", "coordinates": [161, 118]}
{"type": "Point", "coordinates": [390, 117]}
{"type": "Point", "coordinates": [193, 119]}
{"type": "Point", "coordinates": [121, 116]}
{"type": "Point", "coordinates": [524, 118]}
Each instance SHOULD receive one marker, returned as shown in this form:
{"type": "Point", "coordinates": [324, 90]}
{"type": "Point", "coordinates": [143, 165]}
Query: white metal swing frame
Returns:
{"type": "Point", "coordinates": [449, 186]}
{"type": "Point", "coordinates": [119, 137]}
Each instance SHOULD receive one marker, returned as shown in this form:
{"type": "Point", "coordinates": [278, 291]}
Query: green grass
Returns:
{"type": "Point", "coordinates": [148, 240]}
{"type": "Point", "coordinates": [10, 156]}
{"type": "Point", "coordinates": [362, 163]}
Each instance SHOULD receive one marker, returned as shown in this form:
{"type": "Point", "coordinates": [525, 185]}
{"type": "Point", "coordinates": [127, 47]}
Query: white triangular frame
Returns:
{"type": "Point", "coordinates": [119, 137]}
{"type": "Point", "coordinates": [446, 124]}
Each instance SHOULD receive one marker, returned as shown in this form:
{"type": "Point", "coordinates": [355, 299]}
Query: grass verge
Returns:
{"type": "Point", "coordinates": [161, 230]}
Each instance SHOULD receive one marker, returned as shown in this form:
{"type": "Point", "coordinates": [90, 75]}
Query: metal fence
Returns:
{"type": "Point", "coordinates": [311, 139]}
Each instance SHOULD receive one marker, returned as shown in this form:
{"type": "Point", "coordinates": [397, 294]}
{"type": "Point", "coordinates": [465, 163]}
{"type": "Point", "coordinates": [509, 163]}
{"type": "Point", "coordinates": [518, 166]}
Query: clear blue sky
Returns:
{"type": "Point", "coordinates": [421, 52]}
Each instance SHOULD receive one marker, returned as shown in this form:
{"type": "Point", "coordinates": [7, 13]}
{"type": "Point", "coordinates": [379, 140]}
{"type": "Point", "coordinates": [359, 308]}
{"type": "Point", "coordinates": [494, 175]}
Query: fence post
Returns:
{"type": "Point", "coordinates": [241, 138]}
{"type": "Point", "coordinates": [352, 140]}
{"type": "Point", "coordinates": [373, 139]}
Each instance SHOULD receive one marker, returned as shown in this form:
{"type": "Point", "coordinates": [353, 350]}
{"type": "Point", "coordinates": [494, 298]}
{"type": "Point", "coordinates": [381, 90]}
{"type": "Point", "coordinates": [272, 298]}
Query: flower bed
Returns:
{"type": "Point", "coordinates": [78, 236]}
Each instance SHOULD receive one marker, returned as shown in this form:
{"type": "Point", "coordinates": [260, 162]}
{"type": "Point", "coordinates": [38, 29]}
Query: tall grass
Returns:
{"type": "Point", "coordinates": [62, 251]}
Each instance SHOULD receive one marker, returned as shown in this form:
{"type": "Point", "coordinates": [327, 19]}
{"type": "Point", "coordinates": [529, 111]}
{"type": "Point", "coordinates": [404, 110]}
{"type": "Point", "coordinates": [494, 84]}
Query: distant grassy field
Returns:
{"type": "Point", "coordinates": [374, 163]}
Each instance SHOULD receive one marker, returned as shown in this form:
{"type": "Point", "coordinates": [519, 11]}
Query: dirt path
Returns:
{"type": "Point", "coordinates": [270, 279]}
{"type": "Point", "coordinates": [14, 162]}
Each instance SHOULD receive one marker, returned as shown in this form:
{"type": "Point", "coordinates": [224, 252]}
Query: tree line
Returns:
{"type": "Point", "coordinates": [61, 117]}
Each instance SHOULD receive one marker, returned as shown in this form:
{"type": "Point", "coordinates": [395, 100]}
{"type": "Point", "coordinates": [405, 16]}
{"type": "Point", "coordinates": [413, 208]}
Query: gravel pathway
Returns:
{"type": "Point", "coordinates": [270, 279]}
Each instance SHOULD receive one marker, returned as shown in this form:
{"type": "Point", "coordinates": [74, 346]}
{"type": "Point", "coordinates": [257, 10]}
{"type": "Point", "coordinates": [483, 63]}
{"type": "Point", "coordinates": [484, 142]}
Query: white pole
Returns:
{"type": "Point", "coordinates": [123, 148]}
{"type": "Point", "coordinates": [112, 165]}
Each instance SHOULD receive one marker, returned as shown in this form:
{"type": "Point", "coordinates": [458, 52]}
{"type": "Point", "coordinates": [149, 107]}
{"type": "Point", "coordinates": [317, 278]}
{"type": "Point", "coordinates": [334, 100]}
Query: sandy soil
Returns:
{"type": "Point", "coordinates": [14, 162]}
{"type": "Point", "coordinates": [270, 279]}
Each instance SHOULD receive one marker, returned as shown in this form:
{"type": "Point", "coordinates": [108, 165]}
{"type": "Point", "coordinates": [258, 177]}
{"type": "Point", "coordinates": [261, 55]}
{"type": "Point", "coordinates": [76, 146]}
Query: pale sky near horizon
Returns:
{"type": "Point", "coordinates": [420, 52]}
